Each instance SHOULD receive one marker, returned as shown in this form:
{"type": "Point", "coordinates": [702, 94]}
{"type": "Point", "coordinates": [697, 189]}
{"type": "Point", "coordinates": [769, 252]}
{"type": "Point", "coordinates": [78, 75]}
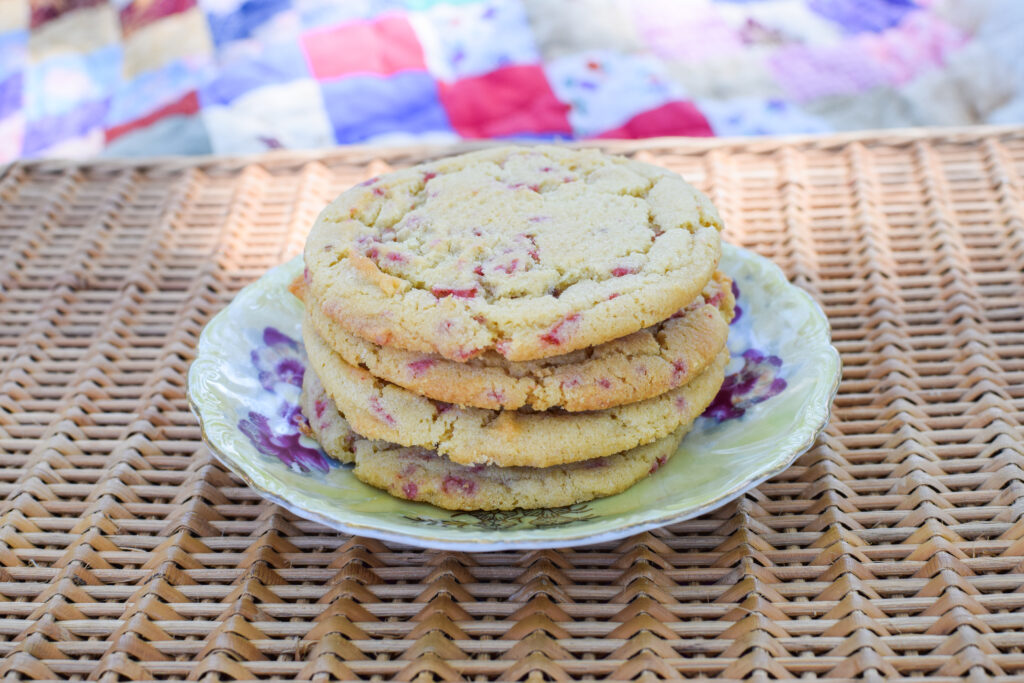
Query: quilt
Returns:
{"type": "Point", "coordinates": [81, 78]}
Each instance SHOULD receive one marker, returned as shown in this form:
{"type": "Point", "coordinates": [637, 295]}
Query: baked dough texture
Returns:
{"type": "Point", "coordinates": [380, 410]}
{"type": "Point", "coordinates": [527, 252]}
{"type": "Point", "coordinates": [418, 474]}
{"type": "Point", "coordinates": [636, 367]}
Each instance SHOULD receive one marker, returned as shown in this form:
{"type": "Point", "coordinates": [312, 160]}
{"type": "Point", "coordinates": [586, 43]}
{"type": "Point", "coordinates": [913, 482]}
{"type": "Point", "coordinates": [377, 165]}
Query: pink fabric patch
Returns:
{"type": "Point", "coordinates": [922, 41]}
{"type": "Point", "coordinates": [810, 71]}
{"type": "Point", "coordinates": [384, 46]}
{"type": "Point", "coordinates": [508, 101]}
{"type": "Point", "coordinates": [673, 118]}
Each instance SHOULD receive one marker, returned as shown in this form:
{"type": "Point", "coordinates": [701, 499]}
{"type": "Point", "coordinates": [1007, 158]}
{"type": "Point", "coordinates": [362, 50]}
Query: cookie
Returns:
{"type": "Point", "coordinates": [423, 475]}
{"type": "Point", "coordinates": [636, 367]}
{"type": "Point", "coordinates": [381, 410]}
{"type": "Point", "coordinates": [527, 252]}
{"type": "Point", "coordinates": [325, 425]}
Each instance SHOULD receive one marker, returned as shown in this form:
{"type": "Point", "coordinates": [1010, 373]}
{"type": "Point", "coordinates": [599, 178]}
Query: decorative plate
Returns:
{"type": "Point", "coordinates": [245, 382]}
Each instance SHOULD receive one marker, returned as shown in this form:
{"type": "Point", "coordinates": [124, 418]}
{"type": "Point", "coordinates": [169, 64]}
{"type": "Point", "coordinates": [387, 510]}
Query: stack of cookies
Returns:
{"type": "Point", "coordinates": [516, 327]}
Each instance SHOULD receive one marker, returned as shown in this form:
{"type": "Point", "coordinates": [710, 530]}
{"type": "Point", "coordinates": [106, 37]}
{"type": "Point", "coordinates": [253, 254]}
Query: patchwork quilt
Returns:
{"type": "Point", "coordinates": [153, 77]}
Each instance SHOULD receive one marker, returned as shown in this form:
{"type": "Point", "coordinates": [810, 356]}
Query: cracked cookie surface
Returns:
{"type": "Point", "coordinates": [526, 252]}
{"type": "Point", "coordinates": [636, 367]}
{"type": "Point", "coordinates": [381, 410]}
{"type": "Point", "coordinates": [419, 474]}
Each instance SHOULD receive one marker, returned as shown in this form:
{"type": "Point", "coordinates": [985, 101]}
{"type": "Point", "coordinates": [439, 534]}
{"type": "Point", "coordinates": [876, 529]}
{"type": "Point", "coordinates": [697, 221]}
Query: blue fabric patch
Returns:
{"type": "Point", "coordinates": [153, 89]}
{"type": "Point", "coordinates": [361, 107]}
{"type": "Point", "coordinates": [13, 52]}
{"type": "Point", "coordinates": [277, 63]}
{"type": "Point", "coordinates": [427, 4]}
{"type": "Point", "coordinates": [172, 135]}
{"type": "Point", "coordinates": [46, 132]}
{"type": "Point", "coordinates": [756, 116]}
{"type": "Point", "coordinates": [534, 137]}
{"type": "Point", "coordinates": [59, 84]}
{"type": "Point", "coordinates": [858, 16]}
{"type": "Point", "coordinates": [10, 94]}
{"type": "Point", "coordinates": [241, 23]}
{"type": "Point", "coordinates": [317, 13]}
{"type": "Point", "coordinates": [471, 41]}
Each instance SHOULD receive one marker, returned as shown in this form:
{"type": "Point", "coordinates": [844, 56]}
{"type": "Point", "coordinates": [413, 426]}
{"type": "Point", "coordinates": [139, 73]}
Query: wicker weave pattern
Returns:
{"type": "Point", "coordinates": [894, 548]}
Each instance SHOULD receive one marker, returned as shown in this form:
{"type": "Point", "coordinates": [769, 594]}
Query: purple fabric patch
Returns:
{"type": "Point", "coordinates": [46, 132]}
{"type": "Point", "coordinates": [361, 107]}
{"type": "Point", "coordinates": [809, 72]}
{"type": "Point", "coordinates": [858, 16]}
{"type": "Point", "coordinates": [10, 94]}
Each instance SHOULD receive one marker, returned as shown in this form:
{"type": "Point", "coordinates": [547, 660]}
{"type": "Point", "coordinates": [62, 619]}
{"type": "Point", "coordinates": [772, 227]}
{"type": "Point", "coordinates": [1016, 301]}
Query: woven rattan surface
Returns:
{"type": "Point", "coordinates": [893, 548]}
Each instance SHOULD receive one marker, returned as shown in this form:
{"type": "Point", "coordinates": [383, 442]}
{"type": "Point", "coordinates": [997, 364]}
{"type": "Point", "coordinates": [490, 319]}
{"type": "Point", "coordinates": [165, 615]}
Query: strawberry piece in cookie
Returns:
{"type": "Point", "coordinates": [562, 330]}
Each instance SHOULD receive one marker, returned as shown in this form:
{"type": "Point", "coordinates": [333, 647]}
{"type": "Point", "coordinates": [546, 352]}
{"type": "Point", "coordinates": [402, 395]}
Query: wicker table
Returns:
{"type": "Point", "coordinates": [894, 548]}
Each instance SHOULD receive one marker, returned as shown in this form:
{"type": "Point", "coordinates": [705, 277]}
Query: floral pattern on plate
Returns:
{"type": "Point", "coordinates": [247, 377]}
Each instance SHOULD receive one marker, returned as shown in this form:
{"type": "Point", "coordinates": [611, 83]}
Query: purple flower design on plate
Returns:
{"type": "Point", "coordinates": [278, 360]}
{"type": "Point", "coordinates": [279, 363]}
{"type": "Point", "coordinates": [293, 414]}
{"type": "Point", "coordinates": [285, 447]}
{"type": "Point", "coordinates": [737, 311]}
{"type": "Point", "coordinates": [756, 381]}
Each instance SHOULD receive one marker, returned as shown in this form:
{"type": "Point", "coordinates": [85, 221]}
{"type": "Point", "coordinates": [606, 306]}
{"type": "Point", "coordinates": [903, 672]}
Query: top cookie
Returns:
{"type": "Point", "coordinates": [530, 252]}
